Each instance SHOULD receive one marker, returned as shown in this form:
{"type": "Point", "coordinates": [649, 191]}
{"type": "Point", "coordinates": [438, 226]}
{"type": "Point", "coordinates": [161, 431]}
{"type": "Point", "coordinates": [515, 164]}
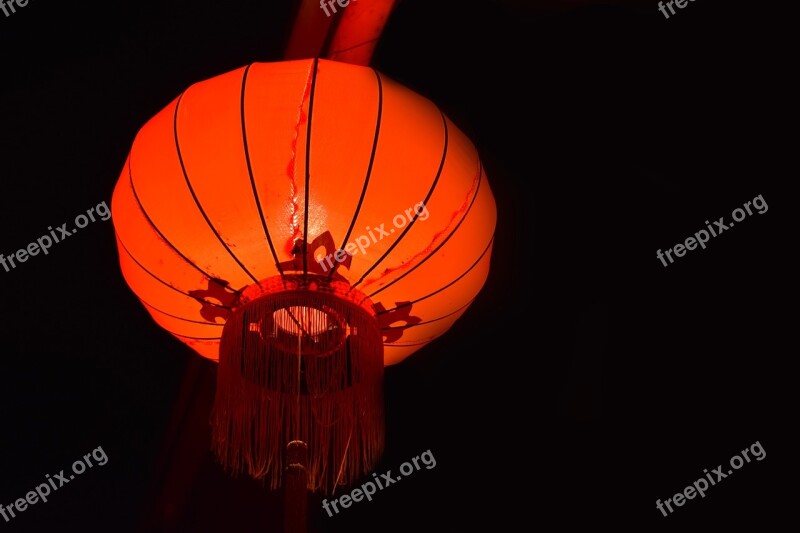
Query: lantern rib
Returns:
{"type": "Point", "coordinates": [122, 244]}
{"type": "Point", "coordinates": [436, 250]}
{"type": "Point", "coordinates": [252, 177]}
{"type": "Point", "coordinates": [194, 195]}
{"type": "Point", "coordinates": [480, 257]}
{"type": "Point", "coordinates": [378, 120]}
{"type": "Point", "coordinates": [162, 236]}
{"type": "Point", "coordinates": [308, 166]}
{"type": "Point", "coordinates": [442, 317]}
{"type": "Point", "coordinates": [179, 317]}
{"type": "Point", "coordinates": [416, 215]}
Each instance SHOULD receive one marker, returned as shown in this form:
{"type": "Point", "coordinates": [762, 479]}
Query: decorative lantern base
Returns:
{"type": "Point", "coordinates": [301, 359]}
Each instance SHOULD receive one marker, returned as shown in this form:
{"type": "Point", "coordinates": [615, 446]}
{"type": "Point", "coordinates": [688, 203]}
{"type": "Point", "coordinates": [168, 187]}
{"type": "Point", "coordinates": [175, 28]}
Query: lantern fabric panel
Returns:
{"type": "Point", "coordinates": [158, 171]}
{"type": "Point", "coordinates": [271, 168]}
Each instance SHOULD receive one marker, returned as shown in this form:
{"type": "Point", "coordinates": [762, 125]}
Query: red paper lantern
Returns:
{"type": "Point", "coordinates": [303, 223]}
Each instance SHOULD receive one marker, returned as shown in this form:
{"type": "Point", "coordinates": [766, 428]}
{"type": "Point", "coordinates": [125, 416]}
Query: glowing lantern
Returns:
{"type": "Point", "coordinates": [303, 223]}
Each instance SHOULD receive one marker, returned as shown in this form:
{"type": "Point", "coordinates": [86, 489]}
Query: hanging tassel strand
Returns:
{"type": "Point", "coordinates": [300, 363]}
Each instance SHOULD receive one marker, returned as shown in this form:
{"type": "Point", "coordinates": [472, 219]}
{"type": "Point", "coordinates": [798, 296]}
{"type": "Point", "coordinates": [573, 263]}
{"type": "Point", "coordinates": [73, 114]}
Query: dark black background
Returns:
{"type": "Point", "coordinates": [583, 382]}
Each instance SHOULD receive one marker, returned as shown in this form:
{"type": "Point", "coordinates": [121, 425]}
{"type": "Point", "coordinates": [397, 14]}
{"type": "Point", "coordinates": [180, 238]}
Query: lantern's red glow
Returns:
{"type": "Point", "coordinates": [317, 205]}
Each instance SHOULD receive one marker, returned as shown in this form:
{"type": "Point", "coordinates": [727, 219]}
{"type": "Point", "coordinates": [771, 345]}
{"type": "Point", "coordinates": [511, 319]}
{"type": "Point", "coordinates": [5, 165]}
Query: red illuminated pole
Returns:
{"type": "Point", "coordinates": [357, 34]}
{"type": "Point", "coordinates": [310, 31]}
{"type": "Point", "coordinates": [295, 482]}
{"type": "Point", "coordinates": [345, 31]}
{"type": "Point", "coordinates": [348, 32]}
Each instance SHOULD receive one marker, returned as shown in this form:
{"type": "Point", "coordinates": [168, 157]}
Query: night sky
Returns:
{"type": "Point", "coordinates": [582, 376]}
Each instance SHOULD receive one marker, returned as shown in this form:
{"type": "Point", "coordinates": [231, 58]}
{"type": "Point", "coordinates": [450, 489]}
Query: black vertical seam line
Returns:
{"type": "Point", "coordinates": [436, 250]}
{"type": "Point", "coordinates": [164, 282]}
{"type": "Point", "coordinates": [162, 236]}
{"type": "Point", "coordinates": [416, 216]}
{"type": "Point", "coordinates": [369, 167]}
{"type": "Point", "coordinates": [480, 257]}
{"type": "Point", "coordinates": [442, 317]}
{"type": "Point", "coordinates": [194, 196]}
{"type": "Point", "coordinates": [308, 167]}
{"type": "Point", "coordinates": [250, 173]}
